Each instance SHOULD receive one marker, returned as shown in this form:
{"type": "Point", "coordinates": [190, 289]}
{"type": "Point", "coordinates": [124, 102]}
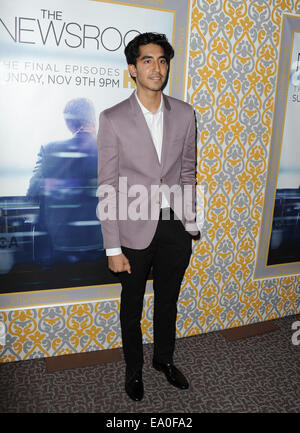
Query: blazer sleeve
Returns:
{"type": "Point", "coordinates": [188, 177]}
{"type": "Point", "coordinates": [108, 179]}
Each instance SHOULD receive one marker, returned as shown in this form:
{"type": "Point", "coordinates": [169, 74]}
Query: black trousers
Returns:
{"type": "Point", "coordinates": [168, 254]}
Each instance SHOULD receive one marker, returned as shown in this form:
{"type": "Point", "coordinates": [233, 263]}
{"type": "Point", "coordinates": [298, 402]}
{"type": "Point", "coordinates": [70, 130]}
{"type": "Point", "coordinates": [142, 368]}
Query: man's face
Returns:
{"type": "Point", "coordinates": [151, 68]}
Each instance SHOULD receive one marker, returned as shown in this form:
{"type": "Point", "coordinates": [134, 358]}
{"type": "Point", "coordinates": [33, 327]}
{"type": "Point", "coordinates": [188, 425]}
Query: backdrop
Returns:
{"type": "Point", "coordinates": [233, 67]}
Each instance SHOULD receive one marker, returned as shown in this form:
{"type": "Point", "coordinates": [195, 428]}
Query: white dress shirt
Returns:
{"type": "Point", "coordinates": [155, 124]}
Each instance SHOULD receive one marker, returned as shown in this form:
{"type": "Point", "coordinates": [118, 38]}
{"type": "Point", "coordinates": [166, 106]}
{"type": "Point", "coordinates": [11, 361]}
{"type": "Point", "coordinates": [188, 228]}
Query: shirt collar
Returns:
{"type": "Point", "coordinates": [145, 110]}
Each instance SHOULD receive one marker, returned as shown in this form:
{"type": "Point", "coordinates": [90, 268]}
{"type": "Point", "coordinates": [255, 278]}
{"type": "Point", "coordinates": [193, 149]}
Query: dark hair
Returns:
{"type": "Point", "coordinates": [132, 50]}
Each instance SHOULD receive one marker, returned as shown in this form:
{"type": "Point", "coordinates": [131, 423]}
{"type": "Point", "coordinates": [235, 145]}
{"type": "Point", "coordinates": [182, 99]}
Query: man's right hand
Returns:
{"type": "Point", "coordinates": [119, 263]}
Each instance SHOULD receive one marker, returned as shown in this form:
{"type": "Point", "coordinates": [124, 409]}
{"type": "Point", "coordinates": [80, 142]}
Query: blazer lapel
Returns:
{"type": "Point", "coordinates": [142, 128]}
{"type": "Point", "coordinates": [166, 130]}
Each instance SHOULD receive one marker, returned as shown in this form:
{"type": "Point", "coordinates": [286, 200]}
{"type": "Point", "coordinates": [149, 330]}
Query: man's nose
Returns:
{"type": "Point", "coordinates": [157, 66]}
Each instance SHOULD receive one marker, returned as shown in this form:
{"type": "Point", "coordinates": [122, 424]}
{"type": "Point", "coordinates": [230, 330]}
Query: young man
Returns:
{"type": "Point", "coordinates": [147, 143]}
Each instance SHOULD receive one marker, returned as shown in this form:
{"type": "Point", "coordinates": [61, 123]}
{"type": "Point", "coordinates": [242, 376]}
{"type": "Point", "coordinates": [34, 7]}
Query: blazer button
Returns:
{"type": "Point", "coordinates": [161, 180]}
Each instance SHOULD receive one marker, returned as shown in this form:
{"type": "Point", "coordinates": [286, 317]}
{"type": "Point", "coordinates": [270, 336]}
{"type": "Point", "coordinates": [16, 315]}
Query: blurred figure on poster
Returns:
{"type": "Point", "coordinates": [64, 183]}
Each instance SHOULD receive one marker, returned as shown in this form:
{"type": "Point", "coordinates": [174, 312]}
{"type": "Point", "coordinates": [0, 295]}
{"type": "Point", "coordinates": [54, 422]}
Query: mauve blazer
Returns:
{"type": "Point", "coordinates": [129, 165]}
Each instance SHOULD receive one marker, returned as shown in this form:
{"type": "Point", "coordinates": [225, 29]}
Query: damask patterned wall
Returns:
{"type": "Point", "coordinates": [232, 83]}
{"type": "Point", "coordinates": [234, 53]}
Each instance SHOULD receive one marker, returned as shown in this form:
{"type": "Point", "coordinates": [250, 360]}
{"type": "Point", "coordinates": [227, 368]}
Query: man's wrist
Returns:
{"type": "Point", "coordinates": [113, 251]}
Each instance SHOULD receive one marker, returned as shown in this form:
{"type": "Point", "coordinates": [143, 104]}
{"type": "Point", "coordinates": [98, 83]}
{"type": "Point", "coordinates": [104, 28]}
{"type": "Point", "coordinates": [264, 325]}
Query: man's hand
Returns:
{"type": "Point", "coordinates": [119, 263]}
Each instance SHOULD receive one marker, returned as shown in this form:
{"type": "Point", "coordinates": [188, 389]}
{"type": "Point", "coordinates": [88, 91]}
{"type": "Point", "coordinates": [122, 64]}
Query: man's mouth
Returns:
{"type": "Point", "coordinates": [155, 78]}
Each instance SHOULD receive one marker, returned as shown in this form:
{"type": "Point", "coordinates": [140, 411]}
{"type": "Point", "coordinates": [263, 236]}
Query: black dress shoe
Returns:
{"type": "Point", "coordinates": [173, 375]}
{"type": "Point", "coordinates": [134, 386]}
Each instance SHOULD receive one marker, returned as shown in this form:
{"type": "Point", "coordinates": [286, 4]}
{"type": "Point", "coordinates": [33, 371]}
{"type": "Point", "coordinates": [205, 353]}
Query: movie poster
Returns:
{"type": "Point", "coordinates": [281, 221]}
{"type": "Point", "coordinates": [62, 63]}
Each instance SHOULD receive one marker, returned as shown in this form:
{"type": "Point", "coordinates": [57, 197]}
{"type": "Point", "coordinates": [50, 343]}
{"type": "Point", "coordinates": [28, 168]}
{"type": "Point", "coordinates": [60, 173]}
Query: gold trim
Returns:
{"type": "Point", "coordinates": [269, 277]}
{"type": "Point", "coordinates": [268, 168]}
{"type": "Point", "coordinates": [172, 63]}
{"type": "Point", "coordinates": [63, 303]}
{"type": "Point", "coordinates": [118, 2]}
{"type": "Point", "coordinates": [30, 306]}
{"type": "Point", "coordinates": [280, 150]}
{"type": "Point", "coordinates": [187, 46]}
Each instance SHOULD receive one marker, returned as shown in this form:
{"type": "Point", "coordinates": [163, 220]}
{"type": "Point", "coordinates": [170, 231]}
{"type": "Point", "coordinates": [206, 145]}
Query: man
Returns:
{"type": "Point", "coordinates": [148, 141]}
{"type": "Point", "coordinates": [64, 183]}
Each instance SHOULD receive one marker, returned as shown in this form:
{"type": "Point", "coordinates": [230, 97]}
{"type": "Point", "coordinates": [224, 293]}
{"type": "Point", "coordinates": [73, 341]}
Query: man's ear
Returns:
{"type": "Point", "coordinates": [132, 70]}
